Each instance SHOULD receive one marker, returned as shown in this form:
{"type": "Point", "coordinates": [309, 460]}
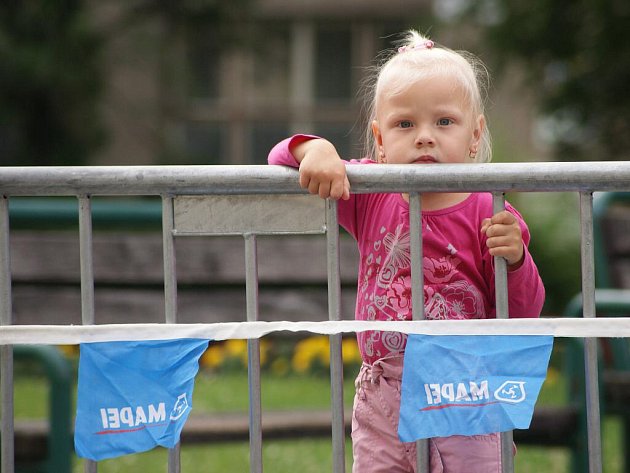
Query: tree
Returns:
{"type": "Point", "coordinates": [52, 71]}
{"type": "Point", "coordinates": [50, 83]}
{"type": "Point", "coordinates": [577, 57]}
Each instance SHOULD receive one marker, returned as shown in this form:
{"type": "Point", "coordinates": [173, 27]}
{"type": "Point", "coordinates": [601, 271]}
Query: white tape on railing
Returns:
{"type": "Point", "coordinates": [611, 327]}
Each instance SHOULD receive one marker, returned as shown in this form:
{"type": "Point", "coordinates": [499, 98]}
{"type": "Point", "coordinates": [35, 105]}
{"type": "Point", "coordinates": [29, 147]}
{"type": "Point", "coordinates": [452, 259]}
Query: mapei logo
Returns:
{"type": "Point", "coordinates": [511, 391]}
{"type": "Point", "coordinates": [133, 418]}
{"type": "Point", "coordinates": [181, 406]}
{"type": "Point", "coordinates": [471, 394]}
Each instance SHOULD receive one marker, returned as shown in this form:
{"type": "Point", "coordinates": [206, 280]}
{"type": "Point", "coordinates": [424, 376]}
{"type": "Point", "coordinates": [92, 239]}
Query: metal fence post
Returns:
{"type": "Point", "coordinates": [253, 356]}
{"type": "Point", "coordinates": [336, 358]}
{"type": "Point", "coordinates": [417, 298]}
{"type": "Point", "coordinates": [170, 273]}
{"type": "Point", "coordinates": [590, 344]}
{"type": "Point", "coordinates": [170, 298]}
{"type": "Point", "coordinates": [86, 260]}
{"type": "Point", "coordinates": [87, 279]}
{"type": "Point", "coordinates": [501, 295]}
{"type": "Point", "coordinates": [6, 351]}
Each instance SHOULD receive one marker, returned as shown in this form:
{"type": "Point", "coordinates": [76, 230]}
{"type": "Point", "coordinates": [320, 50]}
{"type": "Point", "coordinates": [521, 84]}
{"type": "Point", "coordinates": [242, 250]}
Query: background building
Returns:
{"type": "Point", "coordinates": [208, 93]}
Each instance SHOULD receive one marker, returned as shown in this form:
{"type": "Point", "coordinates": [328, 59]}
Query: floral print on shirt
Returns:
{"type": "Point", "coordinates": [385, 290]}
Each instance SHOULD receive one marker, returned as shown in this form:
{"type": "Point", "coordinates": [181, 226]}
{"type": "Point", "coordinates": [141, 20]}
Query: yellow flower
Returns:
{"type": "Point", "coordinates": [236, 348]}
{"type": "Point", "coordinates": [265, 348]}
{"type": "Point", "coordinates": [310, 351]}
{"type": "Point", "coordinates": [213, 356]}
{"type": "Point", "coordinates": [69, 350]}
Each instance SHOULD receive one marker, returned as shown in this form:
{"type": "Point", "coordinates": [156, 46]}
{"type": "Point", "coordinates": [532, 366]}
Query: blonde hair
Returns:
{"type": "Point", "coordinates": [419, 58]}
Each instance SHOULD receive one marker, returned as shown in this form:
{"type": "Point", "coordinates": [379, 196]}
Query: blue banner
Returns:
{"type": "Point", "coordinates": [469, 385]}
{"type": "Point", "coordinates": [134, 396]}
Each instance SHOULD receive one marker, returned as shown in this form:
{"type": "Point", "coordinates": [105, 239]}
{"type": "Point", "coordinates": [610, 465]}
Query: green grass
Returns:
{"type": "Point", "coordinates": [229, 392]}
{"type": "Point", "coordinates": [303, 455]}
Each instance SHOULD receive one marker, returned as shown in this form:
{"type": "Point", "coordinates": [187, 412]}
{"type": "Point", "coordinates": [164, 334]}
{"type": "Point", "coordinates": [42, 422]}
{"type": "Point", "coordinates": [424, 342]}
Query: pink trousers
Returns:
{"type": "Point", "coordinates": [375, 444]}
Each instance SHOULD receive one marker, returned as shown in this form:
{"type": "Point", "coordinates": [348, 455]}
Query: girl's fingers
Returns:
{"type": "Point", "coordinates": [503, 217]}
{"type": "Point", "coordinates": [503, 236]}
{"type": "Point", "coordinates": [304, 181]}
{"type": "Point", "coordinates": [502, 241]}
{"type": "Point", "coordinates": [346, 188]}
{"type": "Point", "coordinates": [485, 224]}
{"type": "Point", "coordinates": [337, 190]}
{"type": "Point", "coordinates": [508, 247]}
{"type": "Point", "coordinates": [313, 187]}
{"type": "Point", "coordinates": [499, 230]}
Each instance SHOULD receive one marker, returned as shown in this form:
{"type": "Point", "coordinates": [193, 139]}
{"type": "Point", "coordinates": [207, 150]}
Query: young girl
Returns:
{"type": "Point", "coordinates": [427, 108]}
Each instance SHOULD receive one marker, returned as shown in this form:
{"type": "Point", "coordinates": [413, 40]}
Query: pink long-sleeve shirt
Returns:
{"type": "Point", "coordinates": [458, 269]}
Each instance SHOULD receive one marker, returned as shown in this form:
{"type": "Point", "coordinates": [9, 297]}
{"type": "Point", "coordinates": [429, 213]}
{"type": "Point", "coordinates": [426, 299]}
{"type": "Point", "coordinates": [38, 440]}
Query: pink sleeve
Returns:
{"type": "Point", "coordinates": [525, 289]}
{"type": "Point", "coordinates": [280, 154]}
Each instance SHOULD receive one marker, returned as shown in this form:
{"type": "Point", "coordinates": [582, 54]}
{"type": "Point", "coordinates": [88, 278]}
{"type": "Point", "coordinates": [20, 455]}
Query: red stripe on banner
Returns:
{"type": "Point", "coordinates": [127, 431]}
{"type": "Point", "coordinates": [433, 408]}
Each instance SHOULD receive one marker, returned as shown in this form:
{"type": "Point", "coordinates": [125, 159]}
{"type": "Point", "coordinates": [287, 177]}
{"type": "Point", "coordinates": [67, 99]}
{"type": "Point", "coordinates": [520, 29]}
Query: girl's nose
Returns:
{"type": "Point", "coordinates": [423, 138]}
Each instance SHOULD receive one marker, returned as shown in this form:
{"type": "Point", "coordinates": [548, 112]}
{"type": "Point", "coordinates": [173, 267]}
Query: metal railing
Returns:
{"type": "Point", "coordinates": [169, 182]}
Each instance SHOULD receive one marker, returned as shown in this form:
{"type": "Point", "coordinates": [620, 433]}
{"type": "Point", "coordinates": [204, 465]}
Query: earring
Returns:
{"type": "Point", "coordinates": [473, 154]}
{"type": "Point", "coordinates": [381, 155]}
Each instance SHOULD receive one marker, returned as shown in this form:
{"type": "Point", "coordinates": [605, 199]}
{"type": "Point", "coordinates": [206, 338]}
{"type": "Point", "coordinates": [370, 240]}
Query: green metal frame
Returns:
{"type": "Point", "coordinates": [110, 213]}
{"type": "Point", "coordinates": [58, 372]}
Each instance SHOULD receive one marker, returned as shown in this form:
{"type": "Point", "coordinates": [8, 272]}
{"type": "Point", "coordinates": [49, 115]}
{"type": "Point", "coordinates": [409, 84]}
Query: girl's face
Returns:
{"type": "Point", "coordinates": [428, 122]}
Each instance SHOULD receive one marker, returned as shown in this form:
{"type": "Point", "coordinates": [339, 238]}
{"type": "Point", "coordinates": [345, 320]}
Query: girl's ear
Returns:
{"type": "Point", "coordinates": [378, 142]}
{"type": "Point", "coordinates": [376, 131]}
{"type": "Point", "coordinates": [478, 128]}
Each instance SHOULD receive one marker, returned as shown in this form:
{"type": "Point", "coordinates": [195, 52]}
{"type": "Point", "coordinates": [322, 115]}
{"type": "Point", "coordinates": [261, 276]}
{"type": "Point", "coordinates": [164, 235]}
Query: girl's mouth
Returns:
{"type": "Point", "coordinates": [426, 159]}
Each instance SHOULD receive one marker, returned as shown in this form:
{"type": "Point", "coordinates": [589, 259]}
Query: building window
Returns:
{"type": "Point", "coordinates": [281, 78]}
{"type": "Point", "coordinates": [205, 143]}
{"type": "Point", "coordinates": [333, 63]}
{"type": "Point", "coordinates": [341, 134]}
{"type": "Point", "coordinates": [269, 80]}
{"type": "Point", "coordinates": [204, 53]}
{"type": "Point", "coordinates": [263, 136]}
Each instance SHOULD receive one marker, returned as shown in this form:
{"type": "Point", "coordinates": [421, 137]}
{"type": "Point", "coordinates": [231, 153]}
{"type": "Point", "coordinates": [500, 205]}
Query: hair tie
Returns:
{"type": "Point", "coordinates": [428, 44]}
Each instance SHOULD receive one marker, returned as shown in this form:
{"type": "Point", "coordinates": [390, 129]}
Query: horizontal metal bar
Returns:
{"type": "Point", "coordinates": [260, 179]}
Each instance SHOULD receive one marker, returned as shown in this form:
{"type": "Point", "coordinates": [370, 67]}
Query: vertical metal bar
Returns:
{"type": "Point", "coordinates": [170, 274]}
{"type": "Point", "coordinates": [417, 297]}
{"type": "Point", "coordinates": [500, 267]}
{"type": "Point", "coordinates": [87, 279]}
{"type": "Point", "coordinates": [170, 297]}
{"type": "Point", "coordinates": [590, 344]}
{"type": "Point", "coordinates": [253, 358]}
{"type": "Point", "coordinates": [86, 260]}
{"type": "Point", "coordinates": [7, 447]}
{"type": "Point", "coordinates": [336, 358]}
{"type": "Point", "coordinates": [501, 294]}
{"type": "Point", "coordinates": [174, 458]}
{"type": "Point", "coordinates": [417, 274]}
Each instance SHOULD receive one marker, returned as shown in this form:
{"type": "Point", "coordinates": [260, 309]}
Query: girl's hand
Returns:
{"type": "Point", "coordinates": [504, 238]}
{"type": "Point", "coordinates": [322, 171]}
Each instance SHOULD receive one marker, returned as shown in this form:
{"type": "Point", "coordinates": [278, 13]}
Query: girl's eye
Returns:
{"type": "Point", "coordinates": [405, 124]}
{"type": "Point", "coordinates": [444, 121]}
